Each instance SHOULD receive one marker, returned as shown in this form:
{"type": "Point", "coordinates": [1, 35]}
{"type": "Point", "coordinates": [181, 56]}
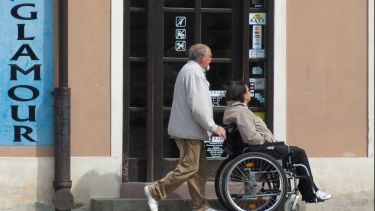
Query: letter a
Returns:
{"type": "Point", "coordinates": [29, 52]}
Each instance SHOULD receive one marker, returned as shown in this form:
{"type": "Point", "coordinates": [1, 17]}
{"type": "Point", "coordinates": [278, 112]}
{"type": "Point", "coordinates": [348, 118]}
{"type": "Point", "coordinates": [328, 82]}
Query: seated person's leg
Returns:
{"type": "Point", "coordinates": [298, 156]}
{"type": "Point", "coordinates": [280, 151]}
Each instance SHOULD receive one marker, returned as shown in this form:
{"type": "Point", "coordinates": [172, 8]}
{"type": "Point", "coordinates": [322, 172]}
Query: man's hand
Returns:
{"type": "Point", "coordinates": [220, 131]}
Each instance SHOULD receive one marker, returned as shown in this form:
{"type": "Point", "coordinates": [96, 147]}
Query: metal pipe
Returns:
{"type": "Point", "coordinates": [63, 198]}
{"type": "Point", "coordinates": [63, 42]}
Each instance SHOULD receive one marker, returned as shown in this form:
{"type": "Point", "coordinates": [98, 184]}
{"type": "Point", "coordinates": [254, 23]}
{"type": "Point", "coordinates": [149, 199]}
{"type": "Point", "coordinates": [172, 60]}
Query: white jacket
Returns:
{"type": "Point", "coordinates": [192, 114]}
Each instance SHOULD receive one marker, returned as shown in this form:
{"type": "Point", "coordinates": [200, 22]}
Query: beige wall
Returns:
{"type": "Point", "coordinates": [89, 79]}
{"type": "Point", "coordinates": [327, 77]}
{"type": "Point", "coordinates": [89, 76]}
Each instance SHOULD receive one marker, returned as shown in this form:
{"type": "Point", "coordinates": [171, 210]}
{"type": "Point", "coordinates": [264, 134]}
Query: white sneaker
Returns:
{"type": "Point", "coordinates": [152, 203]}
{"type": "Point", "coordinates": [323, 195]}
{"type": "Point", "coordinates": [207, 209]}
{"type": "Point", "coordinates": [211, 209]}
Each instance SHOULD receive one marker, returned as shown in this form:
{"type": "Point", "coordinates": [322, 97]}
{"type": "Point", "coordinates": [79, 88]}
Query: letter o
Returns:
{"type": "Point", "coordinates": [12, 93]}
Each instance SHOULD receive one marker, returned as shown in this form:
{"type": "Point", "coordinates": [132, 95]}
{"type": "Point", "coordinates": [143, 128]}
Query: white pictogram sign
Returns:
{"type": "Point", "coordinates": [180, 21]}
{"type": "Point", "coordinates": [256, 53]}
{"type": "Point", "coordinates": [181, 34]}
{"type": "Point", "coordinates": [257, 18]}
{"type": "Point", "coordinates": [257, 83]}
{"type": "Point", "coordinates": [257, 37]}
{"type": "Point", "coordinates": [217, 97]}
{"type": "Point", "coordinates": [180, 45]}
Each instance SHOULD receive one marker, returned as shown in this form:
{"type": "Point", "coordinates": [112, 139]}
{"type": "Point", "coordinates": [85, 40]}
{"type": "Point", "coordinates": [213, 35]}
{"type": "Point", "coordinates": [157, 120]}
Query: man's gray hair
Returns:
{"type": "Point", "coordinates": [197, 51]}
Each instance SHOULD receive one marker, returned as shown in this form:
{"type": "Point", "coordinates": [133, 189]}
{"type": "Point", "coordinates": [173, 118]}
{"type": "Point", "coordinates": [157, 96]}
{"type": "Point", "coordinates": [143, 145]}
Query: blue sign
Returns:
{"type": "Point", "coordinates": [26, 72]}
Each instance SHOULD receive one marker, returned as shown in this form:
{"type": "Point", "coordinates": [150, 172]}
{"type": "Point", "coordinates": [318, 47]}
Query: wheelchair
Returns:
{"type": "Point", "coordinates": [251, 179]}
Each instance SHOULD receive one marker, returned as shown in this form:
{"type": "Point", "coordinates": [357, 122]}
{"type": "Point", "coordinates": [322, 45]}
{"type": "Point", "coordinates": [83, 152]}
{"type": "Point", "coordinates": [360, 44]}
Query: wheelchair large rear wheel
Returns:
{"type": "Point", "coordinates": [219, 179]}
{"type": "Point", "coordinates": [254, 181]}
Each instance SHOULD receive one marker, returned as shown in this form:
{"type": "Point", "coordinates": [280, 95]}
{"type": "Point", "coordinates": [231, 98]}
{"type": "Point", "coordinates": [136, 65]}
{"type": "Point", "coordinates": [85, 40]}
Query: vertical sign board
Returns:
{"type": "Point", "coordinates": [26, 72]}
{"type": "Point", "coordinates": [257, 20]}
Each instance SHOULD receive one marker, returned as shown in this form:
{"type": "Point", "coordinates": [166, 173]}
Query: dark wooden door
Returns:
{"type": "Point", "coordinates": [156, 43]}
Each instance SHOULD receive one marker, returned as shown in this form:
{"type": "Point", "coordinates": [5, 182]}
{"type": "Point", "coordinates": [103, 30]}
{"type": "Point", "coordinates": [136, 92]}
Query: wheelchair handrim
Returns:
{"type": "Point", "coordinates": [274, 199]}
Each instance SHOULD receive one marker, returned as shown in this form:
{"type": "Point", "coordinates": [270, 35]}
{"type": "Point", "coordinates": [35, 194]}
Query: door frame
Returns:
{"type": "Point", "coordinates": [118, 53]}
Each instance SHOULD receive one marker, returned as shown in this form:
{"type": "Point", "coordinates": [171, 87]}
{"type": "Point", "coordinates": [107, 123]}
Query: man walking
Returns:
{"type": "Point", "coordinates": [191, 122]}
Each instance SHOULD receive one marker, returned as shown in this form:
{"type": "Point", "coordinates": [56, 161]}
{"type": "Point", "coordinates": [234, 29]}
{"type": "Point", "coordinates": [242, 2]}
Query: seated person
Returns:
{"type": "Point", "coordinates": [254, 131]}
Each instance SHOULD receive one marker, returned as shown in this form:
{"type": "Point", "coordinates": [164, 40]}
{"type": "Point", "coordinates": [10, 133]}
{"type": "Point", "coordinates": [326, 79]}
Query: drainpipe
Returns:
{"type": "Point", "coordinates": [63, 198]}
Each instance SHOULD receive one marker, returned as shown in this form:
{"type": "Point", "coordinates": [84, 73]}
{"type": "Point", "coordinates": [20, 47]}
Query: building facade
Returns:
{"type": "Point", "coordinates": [310, 65]}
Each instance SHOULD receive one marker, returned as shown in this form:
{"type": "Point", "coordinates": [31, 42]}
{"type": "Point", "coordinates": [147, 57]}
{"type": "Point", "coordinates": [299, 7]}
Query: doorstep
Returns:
{"type": "Point", "coordinates": [141, 205]}
{"type": "Point", "coordinates": [134, 190]}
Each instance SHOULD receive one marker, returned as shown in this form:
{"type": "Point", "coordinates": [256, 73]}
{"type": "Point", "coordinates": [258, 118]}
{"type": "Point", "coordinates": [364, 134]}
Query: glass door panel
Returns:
{"type": "Point", "coordinates": [138, 34]}
{"type": "Point", "coordinates": [219, 75]}
{"type": "Point", "coordinates": [170, 149]}
{"type": "Point", "coordinates": [179, 3]}
{"type": "Point", "coordinates": [138, 92]}
{"type": "Point", "coordinates": [257, 3]}
{"type": "Point", "coordinates": [217, 33]}
{"type": "Point", "coordinates": [138, 134]}
{"type": "Point", "coordinates": [138, 3]}
{"type": "Point", "coordinates": [216, 3]}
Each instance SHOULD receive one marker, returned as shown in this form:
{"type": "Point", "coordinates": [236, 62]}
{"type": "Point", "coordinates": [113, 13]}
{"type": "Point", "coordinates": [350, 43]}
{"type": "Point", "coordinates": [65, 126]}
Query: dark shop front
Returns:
{"type": "Point", "coordinates": [157, 35]}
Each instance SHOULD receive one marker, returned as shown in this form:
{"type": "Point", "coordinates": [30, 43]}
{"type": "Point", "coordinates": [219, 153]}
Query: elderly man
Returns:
{"type": "Point", "coordinates": [191, 122]}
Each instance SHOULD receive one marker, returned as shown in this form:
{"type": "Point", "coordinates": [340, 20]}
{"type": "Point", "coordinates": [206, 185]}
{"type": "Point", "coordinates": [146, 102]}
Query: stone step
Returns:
{"type": "Point", "coordinates": [132, 198]}
{"type": "Point", "coordinates": [141, 205]}
{"type": "Point", "coordinates": [165, 205]}
{"type": "Point", "coordinates": [134, 190]}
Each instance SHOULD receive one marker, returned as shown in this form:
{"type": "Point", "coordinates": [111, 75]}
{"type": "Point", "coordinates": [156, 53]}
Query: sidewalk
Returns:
{"type": "Point", "coordinates": [340, 203]}
{"type": "Point", "coordinates": [134, 200]}
{"type": "Point", "coordinates": [362, 202]}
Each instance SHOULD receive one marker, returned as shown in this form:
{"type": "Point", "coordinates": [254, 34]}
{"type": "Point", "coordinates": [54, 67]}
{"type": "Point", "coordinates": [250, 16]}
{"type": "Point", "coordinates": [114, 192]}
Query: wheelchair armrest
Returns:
{"type": "Point", "coordinates": [262, 146]}
{"type": "Point", "coordinates": [267, 144]}
{"type": "Point", "coordinates": [278, 143]}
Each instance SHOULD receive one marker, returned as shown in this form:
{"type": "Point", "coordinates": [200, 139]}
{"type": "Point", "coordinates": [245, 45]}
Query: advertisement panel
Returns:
{"type": "Point", "coordinates": [26, 73]}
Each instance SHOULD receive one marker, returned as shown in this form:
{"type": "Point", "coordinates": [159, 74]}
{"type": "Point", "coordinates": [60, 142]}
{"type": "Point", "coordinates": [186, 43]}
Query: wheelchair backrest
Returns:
{"type": "Point", "coordinates": [234, 144]}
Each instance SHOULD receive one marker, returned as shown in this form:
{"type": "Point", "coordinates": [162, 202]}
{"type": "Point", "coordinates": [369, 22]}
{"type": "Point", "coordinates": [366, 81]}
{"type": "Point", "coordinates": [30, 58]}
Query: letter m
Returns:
{"type": "Point", "coordinates": [14, 68]}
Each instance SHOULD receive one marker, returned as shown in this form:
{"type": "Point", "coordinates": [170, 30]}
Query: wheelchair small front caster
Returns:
{"type": "Point", "coordinates": [293, 204]}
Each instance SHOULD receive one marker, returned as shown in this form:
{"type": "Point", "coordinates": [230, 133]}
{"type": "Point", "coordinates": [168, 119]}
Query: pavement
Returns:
{"type": "Point", "coordinates": [347, 202]}
{"type": "Point", "coordinates": [133, 199]}
{"type": "Point", "coordinates": [342, 203]}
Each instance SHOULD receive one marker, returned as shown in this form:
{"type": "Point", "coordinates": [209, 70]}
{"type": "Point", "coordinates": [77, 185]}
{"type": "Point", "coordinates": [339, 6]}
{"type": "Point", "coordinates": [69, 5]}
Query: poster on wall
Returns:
{"type": "Point", "coordinates": [257, 53]}
{"type": "Point", "coordinates": [256, 70]}
{"type": "Point", "coordinates": [217, 98]}
{"type": "Point", "coordinates": [26, 73]}
{"type": "Point", "coordinates": [214, 148]}
{"type": "Point", "coordinates": [256, 22]}
{"type": "Point", "coordinates": [257, 37]}
{"type": "Point", "coordinates": [257, 83]}
{"type": "Point", "coordinates": [257, 18]}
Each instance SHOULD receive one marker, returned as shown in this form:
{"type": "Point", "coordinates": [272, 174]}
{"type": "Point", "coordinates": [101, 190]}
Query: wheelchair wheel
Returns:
{"type": "Point", "coordinates": [219, 178]}
{"type": "Point", "coordinates": [254, 181]}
